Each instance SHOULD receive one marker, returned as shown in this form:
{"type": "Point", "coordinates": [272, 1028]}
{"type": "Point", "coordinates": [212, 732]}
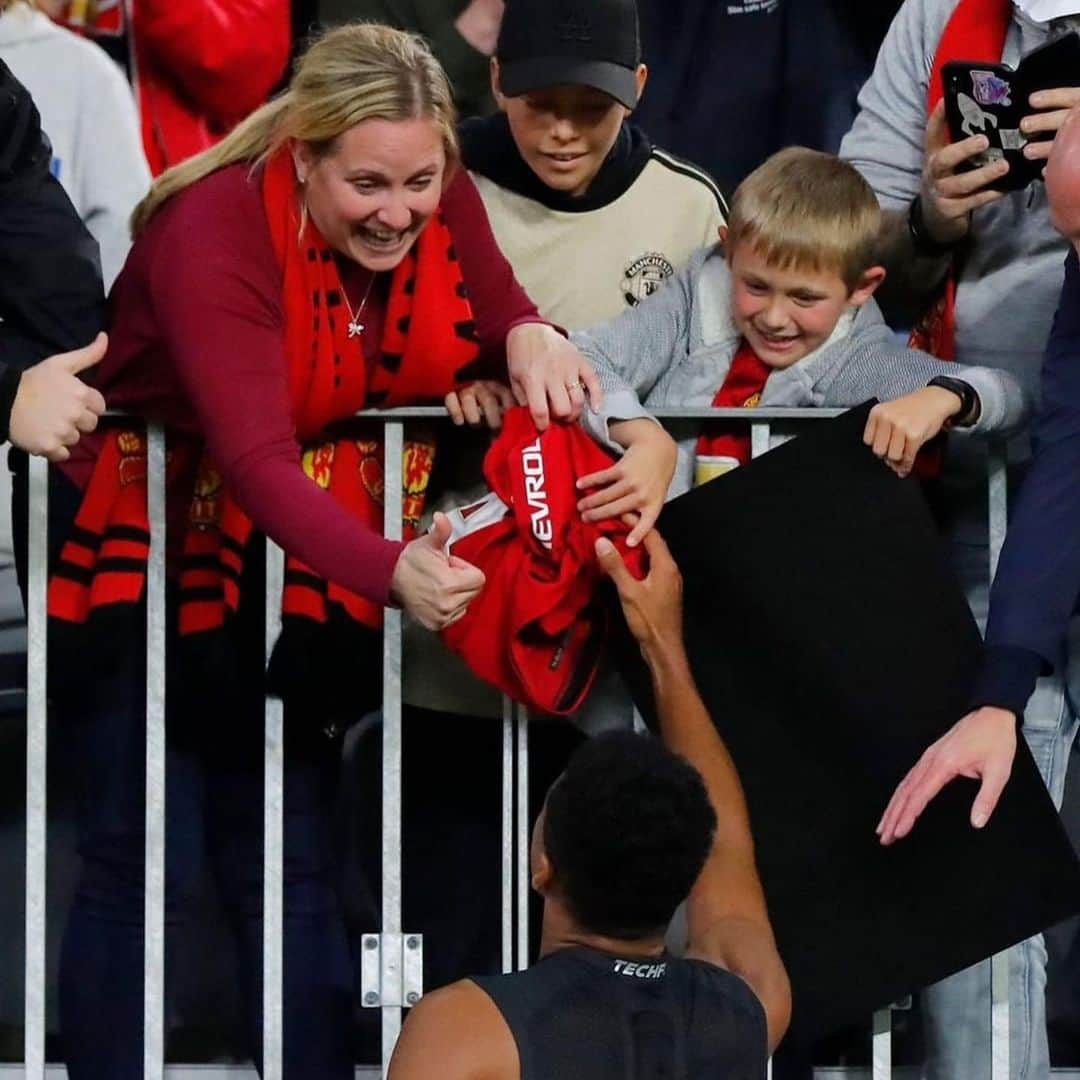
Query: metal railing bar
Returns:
{"type": "Point", "coordinates": [273, 965]}
{"type": "Point", "coordinates": [997, 515]}
{"type": "Point", "coordinates": [154, 899]}
{"type": "Point", "coordinates": [690, 412]}
{"type": "Point", "coordinates": [882, 1044]}
{"type": "Point", "coordinates": [36, 762]}
{"type": "Point", "coordinates": [522, 838]}
{"type": "Point", "coordinates": [507, 885]}
{"type": "Point", "coordinates": [394, 445]}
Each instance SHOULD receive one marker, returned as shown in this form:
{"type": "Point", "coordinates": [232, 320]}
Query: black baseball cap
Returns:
{"type": "Point", "coordinates": [593, 43]}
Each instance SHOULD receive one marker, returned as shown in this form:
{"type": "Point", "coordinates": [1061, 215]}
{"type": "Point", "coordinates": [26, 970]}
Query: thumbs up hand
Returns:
{"type": "Point", "coordinates": [53, 407]}
{"type": "Point", "coordinates": [434, 587]}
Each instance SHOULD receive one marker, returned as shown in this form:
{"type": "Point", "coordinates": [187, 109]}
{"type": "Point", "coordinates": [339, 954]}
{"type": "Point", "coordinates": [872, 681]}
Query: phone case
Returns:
{"type": "Point", "coordinates": [991, 99]}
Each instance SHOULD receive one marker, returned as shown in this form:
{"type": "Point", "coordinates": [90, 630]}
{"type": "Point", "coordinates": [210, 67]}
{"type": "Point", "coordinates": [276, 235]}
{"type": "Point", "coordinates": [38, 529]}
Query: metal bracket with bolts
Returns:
{"type": "Point", "coordinates": [391, 970]}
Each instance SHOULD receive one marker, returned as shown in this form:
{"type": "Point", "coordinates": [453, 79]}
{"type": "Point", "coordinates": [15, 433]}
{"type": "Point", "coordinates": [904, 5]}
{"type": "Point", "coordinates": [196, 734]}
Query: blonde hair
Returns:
{"type": "Point", "coordinates": [355, 72]}
{"type": "Point", "coordinates": [809, 210]}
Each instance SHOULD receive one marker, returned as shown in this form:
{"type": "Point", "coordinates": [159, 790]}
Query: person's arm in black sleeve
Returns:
{"type": "Point", "coordinates": [1033, 596]}
{"type": "Point", "coordinates": [1038, 579]}
{"type": "Point", "coordinates": [51, 295]}
{"type": "Point", "coordinates": [52, 304]}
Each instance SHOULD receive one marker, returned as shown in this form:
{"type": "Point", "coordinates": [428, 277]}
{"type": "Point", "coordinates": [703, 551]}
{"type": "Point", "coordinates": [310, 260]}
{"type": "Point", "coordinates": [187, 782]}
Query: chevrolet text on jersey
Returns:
{"type": "Point", "coordinates": [532, 465]}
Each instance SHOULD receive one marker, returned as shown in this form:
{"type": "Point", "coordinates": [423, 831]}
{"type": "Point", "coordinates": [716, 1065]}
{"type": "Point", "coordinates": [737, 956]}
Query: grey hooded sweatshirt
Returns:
{"type": "Point", "coordinates": [675, 349]}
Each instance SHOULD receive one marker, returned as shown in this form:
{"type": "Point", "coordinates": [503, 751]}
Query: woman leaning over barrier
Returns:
{"type": "Point", "coordinates": [326, 257]}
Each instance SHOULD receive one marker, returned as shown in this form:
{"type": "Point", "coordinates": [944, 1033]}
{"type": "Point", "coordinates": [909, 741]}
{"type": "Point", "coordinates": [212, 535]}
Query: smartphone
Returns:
{"type": "Point", "coordinates": [991, 99]}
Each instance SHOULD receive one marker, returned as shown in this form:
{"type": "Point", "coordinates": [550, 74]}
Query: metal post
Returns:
{"type": "Point", "coordinates": [36, 759]}
{"type": "Point", "coordinates": [759, 439]}
{"type": "Point", "coordinates": [391, 788]}
{"type": "Point", "coordinates": [523, 876]}
{"type": "Point", "coordinates": [273, 836]}
{"type": "Point", "coordinates": [507, 836]}
{"type": "Point", "coordinates": [882, 1041]}
{"type": "Point", "coordinates": [998, 514]}
{"type": "Point", "coordinates": [154, 900]}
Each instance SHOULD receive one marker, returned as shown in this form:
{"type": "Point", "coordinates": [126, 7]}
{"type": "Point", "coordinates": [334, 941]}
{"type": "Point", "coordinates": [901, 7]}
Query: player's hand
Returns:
{"type": "Point", "coordinates": [637, 483]}
{"type": "Point", "coordinates": [981, 746]}
{"type": "Point", "coordinates": [481, 402]}
{"type": "Point", "coordinates": [434, 587]}
{"type": "Point", "coordinates": [549, 374]}
{"type": "Point", "coordinates": [53, 407]}
{"type": "Point", "coordinates": [948, 196]}
{"type": "Point", "coordinates": [652, 606]}
{"type": "Point", "coordinates": [1043, 126]}
{"type": "Point", "coordinates": [897, 430]}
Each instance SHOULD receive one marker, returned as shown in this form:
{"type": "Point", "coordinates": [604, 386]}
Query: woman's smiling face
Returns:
{"type": "Point", "coordinates": [372, 195]}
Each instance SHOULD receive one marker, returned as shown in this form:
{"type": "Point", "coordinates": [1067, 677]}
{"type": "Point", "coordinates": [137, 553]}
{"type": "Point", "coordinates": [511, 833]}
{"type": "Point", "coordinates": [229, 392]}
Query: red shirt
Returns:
{"type": "Point", "coordinates": [196, 341]}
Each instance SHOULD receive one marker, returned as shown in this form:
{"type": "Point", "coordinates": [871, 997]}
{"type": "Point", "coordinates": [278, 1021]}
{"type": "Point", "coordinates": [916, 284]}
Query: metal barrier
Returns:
{"type": "Point", "coordinates": [391, 960]}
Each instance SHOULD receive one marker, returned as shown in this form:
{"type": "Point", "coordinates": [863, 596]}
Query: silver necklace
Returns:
{"type": "Point", "coordinates": [356, 327]}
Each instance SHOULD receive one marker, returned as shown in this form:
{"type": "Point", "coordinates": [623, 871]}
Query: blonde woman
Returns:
{"type": "Point", "coordinates": [325, 257]}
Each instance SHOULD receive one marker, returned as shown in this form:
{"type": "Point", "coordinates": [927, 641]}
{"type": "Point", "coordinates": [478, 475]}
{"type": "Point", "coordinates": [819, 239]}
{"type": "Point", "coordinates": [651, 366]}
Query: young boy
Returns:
{"type": "Point", "coordinates": [591, 216]}
{"type": "Point", "coordinates": [780, 315]}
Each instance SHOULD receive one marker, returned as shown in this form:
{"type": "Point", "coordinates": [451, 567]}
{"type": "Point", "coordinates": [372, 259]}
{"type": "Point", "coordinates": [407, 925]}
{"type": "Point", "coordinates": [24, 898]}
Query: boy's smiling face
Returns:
{"type": "Point", "coordinates": [564, 133]}
{"type": "Point", "coordinates": [785, 314]}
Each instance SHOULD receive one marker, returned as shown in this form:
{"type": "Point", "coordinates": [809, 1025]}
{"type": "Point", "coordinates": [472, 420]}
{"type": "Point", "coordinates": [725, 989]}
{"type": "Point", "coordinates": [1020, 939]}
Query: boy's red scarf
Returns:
{"type": "Point", "coordinates": [423, 358]}
{"type": "Point", "coordinates": [742, 388]}
{"type": "Point", "coordinates": [975, 31]}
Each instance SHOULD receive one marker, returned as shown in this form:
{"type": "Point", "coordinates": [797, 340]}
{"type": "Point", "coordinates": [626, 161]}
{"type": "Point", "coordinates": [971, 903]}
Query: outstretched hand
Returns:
{"type": "Point", "coordinates": [981, 746]}
{"type": "Point", "coordinates": [653, 605]}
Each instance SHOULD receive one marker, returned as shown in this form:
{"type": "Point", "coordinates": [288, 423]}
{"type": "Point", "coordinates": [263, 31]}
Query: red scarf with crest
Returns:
{"type": "Point", "coordinates": [728, 445]}
{"type": "Point", "coordinates": [103, 563]}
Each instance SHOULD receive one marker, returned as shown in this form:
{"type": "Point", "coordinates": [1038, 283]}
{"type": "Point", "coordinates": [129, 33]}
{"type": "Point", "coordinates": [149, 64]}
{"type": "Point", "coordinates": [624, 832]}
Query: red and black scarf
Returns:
{"type": "Point", "coordinates": [976, 30]}
{"type": "Point", "coordinates": [103, 563]}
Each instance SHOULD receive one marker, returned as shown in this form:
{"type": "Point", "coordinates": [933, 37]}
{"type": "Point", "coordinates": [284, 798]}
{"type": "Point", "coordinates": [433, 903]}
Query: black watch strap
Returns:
{"type": "Point", "coordinates": [970, 405]}
{"type": "Point", "coordinates": [921, 240]}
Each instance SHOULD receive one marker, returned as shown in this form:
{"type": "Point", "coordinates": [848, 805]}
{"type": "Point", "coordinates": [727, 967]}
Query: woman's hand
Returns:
{"type": "Point", "coordinates": [432, 586]}
{"type": "Point", "coordinates": [481, 402]}
{"type": "Point", "coordinates": [897, 430]}
{"type": "Point", "coordinates": [548, 374]}
{"type": "Point", "coordinates": [637, 483]}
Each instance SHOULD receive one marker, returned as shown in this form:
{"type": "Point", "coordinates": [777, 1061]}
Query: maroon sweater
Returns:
{"type": "Point", "coordinates": [196, 341]}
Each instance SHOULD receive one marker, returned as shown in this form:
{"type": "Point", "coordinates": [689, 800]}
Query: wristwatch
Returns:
{"type": "Point", "coordinates": [970, 405]}
{"type": "Point", "coordinates": [921, 239]}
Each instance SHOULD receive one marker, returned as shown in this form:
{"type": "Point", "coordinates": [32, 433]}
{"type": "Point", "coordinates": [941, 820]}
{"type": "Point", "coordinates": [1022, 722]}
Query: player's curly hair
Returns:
{"type": "Point", "coordinates": [627, 829]}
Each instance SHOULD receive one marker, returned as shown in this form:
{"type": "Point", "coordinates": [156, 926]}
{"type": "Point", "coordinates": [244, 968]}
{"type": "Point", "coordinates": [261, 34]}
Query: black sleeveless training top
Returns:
{"type": "Point", "coordinates": [579, 1014]}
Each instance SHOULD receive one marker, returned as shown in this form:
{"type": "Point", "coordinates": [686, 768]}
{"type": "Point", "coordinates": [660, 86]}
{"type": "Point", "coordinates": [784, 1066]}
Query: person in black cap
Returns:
{"type": "Point", "coordinates": [627, 831]}
{"type": "Point", "coordinates": [592, 217]}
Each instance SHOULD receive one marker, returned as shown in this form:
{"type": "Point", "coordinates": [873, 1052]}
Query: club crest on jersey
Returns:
{"type": "Point", "coordinates": [644, 276]}
{"type": "Point", "coordinates": [532, 465]}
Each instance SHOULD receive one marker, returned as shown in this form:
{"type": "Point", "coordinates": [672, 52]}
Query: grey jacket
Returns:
{"type": "Point", "coordinates": [675, 348]}
{"type": "Point", "coordinates": [1014, 261]}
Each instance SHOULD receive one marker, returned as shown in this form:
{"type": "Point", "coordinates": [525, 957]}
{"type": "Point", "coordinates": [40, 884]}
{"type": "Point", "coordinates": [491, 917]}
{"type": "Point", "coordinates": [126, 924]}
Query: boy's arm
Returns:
{"type": "Point", "coordinates": [880, 368]}
{"type": "Point", "coordinates": [726, 912]}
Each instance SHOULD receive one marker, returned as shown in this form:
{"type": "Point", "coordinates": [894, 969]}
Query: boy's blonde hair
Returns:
{"type": "Point", "coordinates": [359, 71]}
{"type": "Point", "coordinates": [807, 210]}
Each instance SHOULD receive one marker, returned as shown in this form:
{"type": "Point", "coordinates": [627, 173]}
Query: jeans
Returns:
{"type": "Point", "coordinates": [957, 1009]}
{"type": "Point", "coordinates": [214, 810]}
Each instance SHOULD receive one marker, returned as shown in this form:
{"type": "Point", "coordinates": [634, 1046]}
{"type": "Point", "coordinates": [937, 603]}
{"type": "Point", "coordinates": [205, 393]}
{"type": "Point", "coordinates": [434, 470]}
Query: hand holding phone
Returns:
{"type": "Point", "coordinates": [1013, 110]}
{"type": "Point", "coordinates": [953, 184]}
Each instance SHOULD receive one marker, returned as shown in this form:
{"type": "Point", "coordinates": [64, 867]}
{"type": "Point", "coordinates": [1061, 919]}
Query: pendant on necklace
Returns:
{"type": "Point", "coordinates": [355, 328]}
